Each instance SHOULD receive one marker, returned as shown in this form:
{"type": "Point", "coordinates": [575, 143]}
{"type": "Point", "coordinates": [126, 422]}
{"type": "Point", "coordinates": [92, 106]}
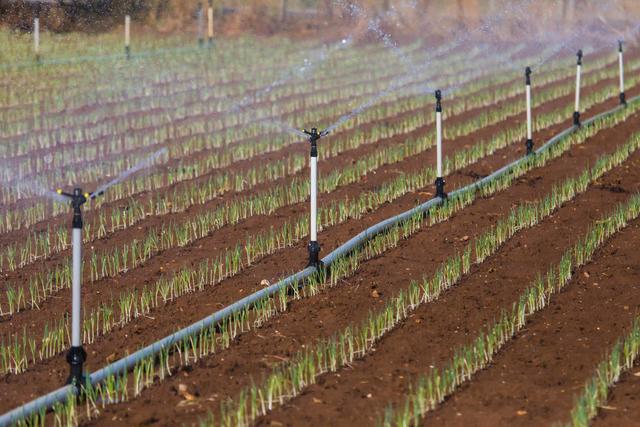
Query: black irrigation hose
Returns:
{"type": "Point", "coordinates": [127, 363]}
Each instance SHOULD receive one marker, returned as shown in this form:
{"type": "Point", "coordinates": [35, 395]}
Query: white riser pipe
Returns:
{"type": "Point", "coordinates": [36, 36]}
{"type": "Point", "coordinates": [127, 31]}
{"type": "Point", "coordinates": [75, 287]}
{"type": "Point", "coordinates": [621, 62]}
{"type": "Point", "coordinates": [439, 143]}
{"type": "Point", "coordinates": [210, 22]}
{"type": "Point", "coordinates": [529, 125]}
{"type": "Point", "coordinates": [578, 71]}
{"type": "Point", "coordinates": [314, 199]}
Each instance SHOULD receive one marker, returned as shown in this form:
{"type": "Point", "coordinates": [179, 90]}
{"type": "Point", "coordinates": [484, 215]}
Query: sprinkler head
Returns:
{"type": "Point", "coordinates": [619, 45]}
{"type": "Point", "coordinates": [76, 199]}
{"type": "Point", "coordinates": [579, 55]}
{"type": "Point", "coordinates": [438, 101]}
{"type": "Point", "coordinates": [527, 74]}
{"type": "Point", "coordinates": [314, 135]}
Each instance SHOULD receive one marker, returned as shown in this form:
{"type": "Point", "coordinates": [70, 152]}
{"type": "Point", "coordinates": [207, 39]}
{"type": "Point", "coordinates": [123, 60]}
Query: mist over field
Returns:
{"type": "Point", "coordinates": [319, 212]}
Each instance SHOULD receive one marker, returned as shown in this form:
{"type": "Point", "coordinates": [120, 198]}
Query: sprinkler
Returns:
{"type": "Point", "coordinates": [439, 179]}
{"type": "Point", "coordinates": [623, 99]}
{"type": "Point", "coordinates": [529, 143]}
{"type": "Point", "coordinates": [127, 36]}
{"type": "Point", "coordinates": [76, 355]}
{"type": "Point", "coordinates": [576, 113]}
{"type": "Point", "coordinates": [314, 247]}
{"type": "Point", "coordinates": [200, 17]}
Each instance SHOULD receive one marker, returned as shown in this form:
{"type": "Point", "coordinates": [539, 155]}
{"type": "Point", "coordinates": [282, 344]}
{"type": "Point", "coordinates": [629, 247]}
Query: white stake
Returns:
{"type": "Point", "coordinates": [314, 199]}
{"type": "Point", "coordinates": [576, 114]}
{"type": "Point", "coordinates": [314, 247]}
{"type": "Point", "coordinates": [75, 284]}
{"type": "Point", "coordinates": [200, 25]}
{"type": "Point", "coordinates": [439, 179]}
{"type": "Point", "coordinates": [623, 99]}
{"type": "Point", "coordinates": [529, 143]}
{"type": "Point", "coordinates": [76, 355]}
{"type": "Point", "coordinates": [127, 35]}
{"type": "Point", "coordinates": [36, 37]}
{"type": "Point", "coordinates": [210, 24]}
{"type": "Point", "coordinates": [439, 142]}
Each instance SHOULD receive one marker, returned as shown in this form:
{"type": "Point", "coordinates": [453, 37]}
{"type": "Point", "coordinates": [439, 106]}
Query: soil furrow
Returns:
{"type": "Point", "coordinates": [334, 309]}
{"type": "Point", "coordinates": [173, 259]}
{"type": "Point", "coordinates": [623, 403]}
{"type": "Point", "coordinates": [429, 338]}
{"type": "Point", "coordinates": [534, 380]}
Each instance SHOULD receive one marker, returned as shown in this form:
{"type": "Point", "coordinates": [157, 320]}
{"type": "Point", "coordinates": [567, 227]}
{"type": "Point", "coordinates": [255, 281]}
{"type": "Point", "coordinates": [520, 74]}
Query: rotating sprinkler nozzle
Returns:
{"type": "Point", "coordinates": [76, 355]}
{"type": "Point", "coordinates": [576, 112]}
{"type": "Point", "coordinates": [623, 98]}
{"type": "Point", "coordinates": [314, 246]}
{"type": "Point", "coordinates": [439, 179]}
{"type": "Point", "coordinates": [529, 143]}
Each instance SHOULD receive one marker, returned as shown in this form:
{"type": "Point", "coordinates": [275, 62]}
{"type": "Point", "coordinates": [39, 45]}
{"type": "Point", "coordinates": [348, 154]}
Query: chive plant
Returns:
{"type": "Point", "coordinates": [620, 359]}
{"type": "Point", "coordinates": [103, 319]}
{"type": "Point", "coordinates": [303, 369]}
{"type": "Point", "coordinates": [429, 391]}
{"type": "Point", "coordinates": [142, 214]}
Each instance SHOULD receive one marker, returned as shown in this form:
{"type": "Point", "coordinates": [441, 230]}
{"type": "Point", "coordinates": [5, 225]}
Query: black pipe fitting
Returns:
{"type": "Point", "coordinates": [440, 188]}
{"type": "Point", "coordinates": [579, 55]}
{"type": "Point", "coordinates": [529, 145]}
{"type": "Point", "coordinates": [314, 255]}
{"type": "Point", "coordinates": [623, 99]}
{"type": "Point", "coordinates": [576, 119]}
{"type": "Point", "coordinates": [76, 358]}
{"type": "Point", "coordinates": [527, 76]}
{"type": "Point", "coordinates": [438, 101]}
{"type": "Point", "coordinates": [620, 46]}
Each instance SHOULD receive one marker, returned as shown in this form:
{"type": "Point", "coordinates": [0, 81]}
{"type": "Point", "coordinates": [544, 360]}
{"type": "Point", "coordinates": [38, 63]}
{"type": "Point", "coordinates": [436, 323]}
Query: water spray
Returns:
{"type": "Point", "coordinates": [623, 99]}
{"type": "Point", "coordinates": [314, 247]}
{"type": "Point", "coordinates": [36, 38]}
{"type": "Point", "coordinates": [439, 179]}
{"type": "Point", "coordinates": [529, 143]}
{"type": "Point", "coordinates": [576, 112]}
{"type": "Point", "coordinates": [76, 355]}
{"type": "Point", "coordinates": [127, 36]}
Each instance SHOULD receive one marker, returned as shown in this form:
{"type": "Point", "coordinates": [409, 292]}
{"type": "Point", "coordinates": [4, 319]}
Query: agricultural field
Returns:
{"type": "Point", "coordinates": [178, 284]}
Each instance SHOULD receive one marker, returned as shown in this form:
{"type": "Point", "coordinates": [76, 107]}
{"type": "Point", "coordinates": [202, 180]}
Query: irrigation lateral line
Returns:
{"type": "Point", "coordinates": [128, 362]}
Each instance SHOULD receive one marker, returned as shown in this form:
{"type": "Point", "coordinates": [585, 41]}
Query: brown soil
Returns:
{"type": "Point", "coordinates": [434, 331]}
{"type": "Point", "coordinates": [623, 405]}
{"type": "Point", "coordinates": [173, 259]}
{"type": "Point", "coordinates": [334, 309]}
{"type": "Point", "coordinates": [196, 306]}
{"type": "Point", "coordinates": [535, 378]}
